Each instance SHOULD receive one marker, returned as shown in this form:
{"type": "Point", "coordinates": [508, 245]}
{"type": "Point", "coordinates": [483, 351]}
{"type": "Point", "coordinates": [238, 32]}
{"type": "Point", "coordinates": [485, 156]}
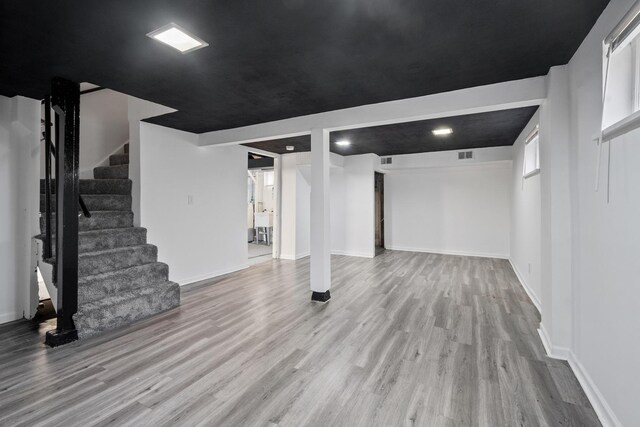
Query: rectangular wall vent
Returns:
{"type": "Point", "coordinates": [386, 160]}
{"type": "Point", "coordinates": [469, 155]}
{"type": "Point", "coordinates": [462, 155]}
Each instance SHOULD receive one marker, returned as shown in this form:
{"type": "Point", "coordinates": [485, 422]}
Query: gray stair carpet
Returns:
{"type": "Point", "coordinates": [120, 279]}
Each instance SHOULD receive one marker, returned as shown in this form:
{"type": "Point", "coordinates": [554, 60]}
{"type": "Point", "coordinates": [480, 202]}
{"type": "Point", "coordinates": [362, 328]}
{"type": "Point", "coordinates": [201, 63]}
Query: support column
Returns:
{"type": "Point", "coordinates": [65, 96]}
{"type": "Point", "coordinates": [320, 216]}
{"type": "Point", "coordinates": [556, 199]}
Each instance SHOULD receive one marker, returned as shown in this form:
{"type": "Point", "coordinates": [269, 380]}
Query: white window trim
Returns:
{"type": "Point", "coordinates": [535, 134]}
{"type": "Point", "coordinates": [611, 44]}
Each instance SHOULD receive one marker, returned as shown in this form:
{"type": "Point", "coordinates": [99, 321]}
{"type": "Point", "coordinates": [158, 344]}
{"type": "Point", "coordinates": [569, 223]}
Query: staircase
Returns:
{"type": "Point", "coordinates": [119, 277]}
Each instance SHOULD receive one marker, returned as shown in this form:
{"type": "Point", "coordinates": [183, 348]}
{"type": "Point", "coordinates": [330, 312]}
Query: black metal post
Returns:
{"type": "Point", "coordinates": [66, 103]}
{"type": "Point", "coordinates": [47, 176]}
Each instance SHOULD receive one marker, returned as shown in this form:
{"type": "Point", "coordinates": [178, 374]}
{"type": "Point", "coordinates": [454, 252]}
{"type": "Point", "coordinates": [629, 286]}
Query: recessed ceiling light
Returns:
{"type": "Point", "coordinates": [442, 131]}
{"type": "Point", "coordinates": [178, 38]}
{"type": "Point", "coordinates": [290, 148]}
{"type": "Point", "coordinates": [343, 142]}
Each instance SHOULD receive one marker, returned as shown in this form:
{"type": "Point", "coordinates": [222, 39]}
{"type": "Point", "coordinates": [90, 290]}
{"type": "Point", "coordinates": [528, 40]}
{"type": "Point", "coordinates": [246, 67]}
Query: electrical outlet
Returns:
{"type": "Point", "coordinates": [189, 199]}
{"type": "Point", "coordinates": [529, 268]}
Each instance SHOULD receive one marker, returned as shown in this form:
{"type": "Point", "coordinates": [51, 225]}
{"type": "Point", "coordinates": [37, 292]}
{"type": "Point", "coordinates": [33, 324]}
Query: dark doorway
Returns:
{"type": "Point", "coordinates": [379, 209]}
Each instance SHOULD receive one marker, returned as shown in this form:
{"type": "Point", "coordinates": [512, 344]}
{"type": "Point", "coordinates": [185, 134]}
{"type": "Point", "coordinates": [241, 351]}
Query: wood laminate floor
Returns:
{"type": "Point", "coordinates": [407, 339]}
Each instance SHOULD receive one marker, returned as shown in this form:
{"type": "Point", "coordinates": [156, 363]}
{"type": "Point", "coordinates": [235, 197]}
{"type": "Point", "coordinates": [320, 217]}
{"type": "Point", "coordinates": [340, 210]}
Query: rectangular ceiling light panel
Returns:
{"type": "Point", "coordinates": [178, 38]}
{"type": "Point", "coordinates": [442, 131]}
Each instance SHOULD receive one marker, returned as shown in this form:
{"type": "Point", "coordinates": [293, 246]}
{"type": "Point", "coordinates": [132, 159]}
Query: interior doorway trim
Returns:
{"type": "Point", "coordinates": [277, 176]}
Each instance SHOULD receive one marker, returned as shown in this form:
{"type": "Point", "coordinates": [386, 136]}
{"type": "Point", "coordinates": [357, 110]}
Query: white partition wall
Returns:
{"type": "Point", "coordinates": [526, 225]}
{"type": "Point", "coordinates": [193, 203]}
{"type": "Point", "coordinates": [449, 207]}
{"type": "Point", "coordinates": [19, 205]}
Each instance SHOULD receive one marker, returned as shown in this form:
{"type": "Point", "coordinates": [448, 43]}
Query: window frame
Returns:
{"type": "Point", "coordinates": [534, 136]}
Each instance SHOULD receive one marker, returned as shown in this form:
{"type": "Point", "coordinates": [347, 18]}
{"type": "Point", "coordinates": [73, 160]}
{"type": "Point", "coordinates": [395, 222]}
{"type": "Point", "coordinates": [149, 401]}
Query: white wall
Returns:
{"type": "Point", "coordinates": [352, 205]}
{"type": "Point", "coordinates": [359, 205]}
{"type": "Point", "coordinates": [19, 205]}
{"type": "Point", "coordinates": [303, 212]}
{"type": "Point", "coordinates": [447, 158]}
{"type": "Point", "coordinates": [208, 237]}
{"type": "Point", "coordinates": [137, 110]}
{"type": "Point", "coordinates": [288, 206]}
{"type": "Point", "coordinates": [462, 209]}
{"type": "Point", "coordinates": [296, 205]}
{"type": "Point", "coordinates": [338, 209]}
{"type": "Point", "coordinates": [606, 241]}
{"type": "Point", "coordinates": [104, 128]}
{"type": "Point", "coordinates": [526, 223]}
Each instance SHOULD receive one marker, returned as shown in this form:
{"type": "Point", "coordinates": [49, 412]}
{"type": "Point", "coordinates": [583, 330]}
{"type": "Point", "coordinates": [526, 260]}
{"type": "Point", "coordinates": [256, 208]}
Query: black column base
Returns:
{"type": "Point", "coordinates": [55, 338]}
{"type": "Point", "coordinates": [320, 296]}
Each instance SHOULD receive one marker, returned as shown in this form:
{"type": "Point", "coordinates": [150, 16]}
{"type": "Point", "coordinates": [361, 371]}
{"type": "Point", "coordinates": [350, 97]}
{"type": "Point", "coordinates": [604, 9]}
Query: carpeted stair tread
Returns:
{"type": "Point", "coordinates": [98, 202]}
{"type": "Point", "coordinates": [113, 283]}
{"type": "Point", "coordinates": [118, 310]}
{"type": "Point", "coordinates": [111, 172]}
{"type": "Point", "coordinates": [99, 220]}
{"type": "Point", "coordinates": [97, 186]}
{"type": "Point", "coordinates": [97, 262]}
{"type": "Point", "coordinates": [92, 263]}
{"type": "Point", "coordinates": [108, 238]}
{"type": "Point", "coordinates": [119, 159]}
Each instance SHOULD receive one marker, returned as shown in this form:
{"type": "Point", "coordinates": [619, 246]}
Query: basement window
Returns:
{"type": "Point", "coordinates": [621, 77]}
{"type": "Point", "coordinates": [531, 163]}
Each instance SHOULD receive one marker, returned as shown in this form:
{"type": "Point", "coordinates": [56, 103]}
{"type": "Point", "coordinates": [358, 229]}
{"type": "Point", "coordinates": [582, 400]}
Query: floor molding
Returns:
{"type": "Point", "coordinates": [295, 257]}
{"type": "Point", "coordinates": [532, 296]}
{"type": "Point", "coordinates": [447, 252]}
{"type": "Point", "coordinates": [9, 317]}
{"type": "Point", "coordinates": [356, 254]}
{"type": "Point", "coordinates": [605, 414]}
{"type": "Point", "coordinates": [196, 279]}
{"type": "Point", "coordinates": [554, 352]}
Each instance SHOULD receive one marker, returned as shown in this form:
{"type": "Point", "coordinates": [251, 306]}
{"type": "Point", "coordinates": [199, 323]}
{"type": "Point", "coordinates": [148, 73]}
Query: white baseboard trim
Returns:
{"type": "Point", "coordinates": [553, 352]}
{"type": "Point", "coordinates": [345, 253]}
{"type": "Point", "coordinates": [9, 317]}
{"type": "Point", "coordinates": [448, 252]}
{"type": "Point", "coordinates": [355, 254]}
{"type": "Point", "coordinates": [212, 275]}
{"type": "Point", "coordinates": [294, 257]}
{"type": "Point", "coordinates": [604, 412]}
{"type": "Point", "coordinates": [532, 296]}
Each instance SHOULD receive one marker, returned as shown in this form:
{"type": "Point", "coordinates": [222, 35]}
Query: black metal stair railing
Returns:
{"type": "Point", "coordinates": [65, 101]}
{"type": "Point", "coordinates": [50, 151]}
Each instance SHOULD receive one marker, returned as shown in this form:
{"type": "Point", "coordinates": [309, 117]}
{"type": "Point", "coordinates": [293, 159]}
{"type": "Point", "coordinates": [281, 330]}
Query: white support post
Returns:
{"type": "Point", "coordinates": [320, 216]}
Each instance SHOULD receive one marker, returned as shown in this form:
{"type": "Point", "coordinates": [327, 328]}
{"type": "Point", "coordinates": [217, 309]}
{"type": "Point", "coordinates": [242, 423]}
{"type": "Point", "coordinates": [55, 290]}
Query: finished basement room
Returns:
{"type": "Point", "coordinates": [296, 213]}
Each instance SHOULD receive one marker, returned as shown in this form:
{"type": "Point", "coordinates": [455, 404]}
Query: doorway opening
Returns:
{"type": "Point", "coordinates": [261, 207]}
{"type": "Point", "coordinates": [379, 212]}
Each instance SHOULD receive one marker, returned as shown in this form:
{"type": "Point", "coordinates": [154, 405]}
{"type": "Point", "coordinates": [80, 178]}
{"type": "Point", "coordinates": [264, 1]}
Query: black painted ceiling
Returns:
{"type": "Point", "coordinates": [276, 59]}
{"type": "Point", "coordinates": [493, 129]}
